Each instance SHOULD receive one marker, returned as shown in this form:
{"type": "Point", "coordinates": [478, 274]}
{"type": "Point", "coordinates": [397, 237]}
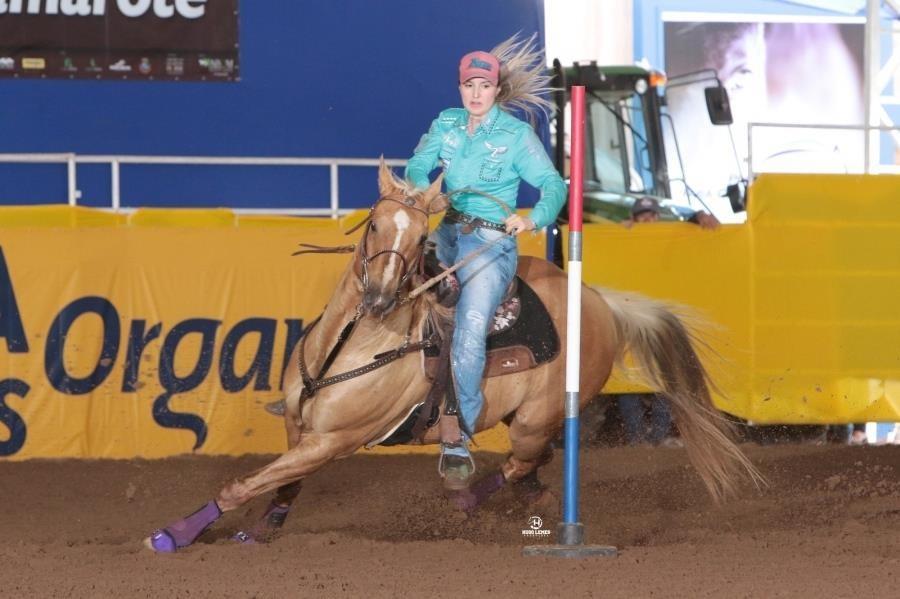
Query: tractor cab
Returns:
{"type": "Point", "coordinates": [625, 145]}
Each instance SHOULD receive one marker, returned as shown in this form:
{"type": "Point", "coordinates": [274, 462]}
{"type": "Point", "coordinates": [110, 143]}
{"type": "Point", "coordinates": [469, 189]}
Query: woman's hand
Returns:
{"type": "Point", "coordinates": [516, 224]}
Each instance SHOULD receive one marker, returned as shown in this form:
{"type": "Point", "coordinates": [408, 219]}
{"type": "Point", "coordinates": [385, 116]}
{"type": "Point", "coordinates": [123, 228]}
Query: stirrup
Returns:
{"type": "Point", "coordinates": [456, 470]}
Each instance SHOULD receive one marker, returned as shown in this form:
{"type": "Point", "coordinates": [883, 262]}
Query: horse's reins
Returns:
{"type": "Point", "coordinates": [471, 255]}
{"type": "Point", "coordinates": [310, 384]}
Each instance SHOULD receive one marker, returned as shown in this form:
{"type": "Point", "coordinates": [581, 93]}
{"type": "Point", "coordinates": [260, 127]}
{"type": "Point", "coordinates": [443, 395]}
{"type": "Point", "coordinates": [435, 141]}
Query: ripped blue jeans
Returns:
{"type": "Point", "coordinates": [483, 282]}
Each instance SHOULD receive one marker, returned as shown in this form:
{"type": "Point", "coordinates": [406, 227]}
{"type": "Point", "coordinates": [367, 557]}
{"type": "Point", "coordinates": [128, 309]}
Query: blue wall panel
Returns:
{"type": "Point", "coordinates": [350, 78]}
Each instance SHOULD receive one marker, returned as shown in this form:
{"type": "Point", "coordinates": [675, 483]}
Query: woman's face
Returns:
{"type": "Point", "coordinates": [478, 96]}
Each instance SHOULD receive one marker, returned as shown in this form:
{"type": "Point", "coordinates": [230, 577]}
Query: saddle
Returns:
{"type": "Point", "coordinates": [522, 337]}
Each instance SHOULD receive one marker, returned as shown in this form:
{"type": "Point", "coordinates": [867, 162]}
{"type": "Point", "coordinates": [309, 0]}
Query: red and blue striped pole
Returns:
{"type": "Point", "coordinates": [570, 532]}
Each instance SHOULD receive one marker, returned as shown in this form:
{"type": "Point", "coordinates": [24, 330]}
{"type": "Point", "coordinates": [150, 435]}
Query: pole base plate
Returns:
{"type": "Point", "coordinates": [577, 551]}
{"type": "Point", "coordinates": [571, 544]}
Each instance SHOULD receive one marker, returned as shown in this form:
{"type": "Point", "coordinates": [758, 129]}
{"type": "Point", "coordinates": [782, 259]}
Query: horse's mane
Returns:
{"type": "Point", "coordinates": [524, 82]}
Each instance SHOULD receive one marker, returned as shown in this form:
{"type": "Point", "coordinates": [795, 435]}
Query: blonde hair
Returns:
{"type": "Point", "coordinates": [524, 79]}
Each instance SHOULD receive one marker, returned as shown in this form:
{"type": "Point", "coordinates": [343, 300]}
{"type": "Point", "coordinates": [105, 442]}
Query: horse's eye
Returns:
{"type": "Point", "coordinates": [372, 226]}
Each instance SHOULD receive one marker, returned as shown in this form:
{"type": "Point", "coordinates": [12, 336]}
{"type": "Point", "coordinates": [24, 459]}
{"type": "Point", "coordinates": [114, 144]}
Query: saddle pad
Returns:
{"type": "Point", "coordinates": [531, 341]}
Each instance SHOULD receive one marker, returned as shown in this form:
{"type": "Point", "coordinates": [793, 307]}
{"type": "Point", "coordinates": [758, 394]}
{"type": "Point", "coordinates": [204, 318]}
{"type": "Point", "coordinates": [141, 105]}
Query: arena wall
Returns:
{"type": "Point", "coordinates": [164, 332]}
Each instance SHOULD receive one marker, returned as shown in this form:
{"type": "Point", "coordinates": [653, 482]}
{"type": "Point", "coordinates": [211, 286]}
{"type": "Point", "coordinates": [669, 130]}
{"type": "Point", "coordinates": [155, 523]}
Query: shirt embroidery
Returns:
{"type": "Point", "coordinates": [495, 150]}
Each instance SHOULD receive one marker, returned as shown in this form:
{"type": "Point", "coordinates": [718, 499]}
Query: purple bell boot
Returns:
{"type": "Point", "coordinates": [469, 499]}
{"type": "Point", "coordinates": [184, 532]}
{"type": "Point", "coordinates": [272, 520]}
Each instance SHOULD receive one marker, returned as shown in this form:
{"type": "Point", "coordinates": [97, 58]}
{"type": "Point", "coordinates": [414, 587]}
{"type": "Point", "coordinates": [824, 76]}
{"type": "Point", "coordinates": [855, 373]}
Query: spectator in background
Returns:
{"type": "Point", "coordinates": [646, 210]}
{"type": "Point", "coordinates": [633, 408]}
{"type": "Point", "coordinates": [858, 436]}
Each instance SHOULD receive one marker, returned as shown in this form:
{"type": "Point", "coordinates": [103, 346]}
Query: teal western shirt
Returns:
{"type": "Point", "coordinates": [502, 151]}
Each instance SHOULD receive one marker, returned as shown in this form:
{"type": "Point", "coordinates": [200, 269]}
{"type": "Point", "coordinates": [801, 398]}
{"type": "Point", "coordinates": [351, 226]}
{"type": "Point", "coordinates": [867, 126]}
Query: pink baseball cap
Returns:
{"type": "Point", "coordinates": [479, 64]}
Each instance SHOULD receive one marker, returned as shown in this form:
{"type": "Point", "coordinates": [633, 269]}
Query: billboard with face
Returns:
{"type": "Point", "coordinates": [776, 71]}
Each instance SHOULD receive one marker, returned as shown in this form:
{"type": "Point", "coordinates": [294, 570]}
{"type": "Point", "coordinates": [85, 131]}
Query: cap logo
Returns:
{"type": "Point", "coordinates": [480, 64]}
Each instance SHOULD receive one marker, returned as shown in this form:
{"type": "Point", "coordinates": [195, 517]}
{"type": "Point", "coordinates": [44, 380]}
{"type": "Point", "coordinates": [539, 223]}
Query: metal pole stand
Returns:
{"type": "Point", "coordinates": [570, 532]}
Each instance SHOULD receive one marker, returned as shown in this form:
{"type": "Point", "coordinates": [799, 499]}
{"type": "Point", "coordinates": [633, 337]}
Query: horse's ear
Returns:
{"type": "Point", "coordinates": [435, 201]}
{"type": "Point", "coordinates": [387, 181]}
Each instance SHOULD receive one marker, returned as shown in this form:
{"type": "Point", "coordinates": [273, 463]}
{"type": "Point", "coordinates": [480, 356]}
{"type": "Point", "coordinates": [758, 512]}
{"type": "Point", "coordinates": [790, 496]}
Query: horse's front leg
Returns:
{"type": "Point", "coordinates": [311, 453]}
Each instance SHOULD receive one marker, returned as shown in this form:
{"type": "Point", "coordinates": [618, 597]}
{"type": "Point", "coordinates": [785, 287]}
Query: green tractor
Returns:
{"type": "Point", "coordinates": [625, 144]}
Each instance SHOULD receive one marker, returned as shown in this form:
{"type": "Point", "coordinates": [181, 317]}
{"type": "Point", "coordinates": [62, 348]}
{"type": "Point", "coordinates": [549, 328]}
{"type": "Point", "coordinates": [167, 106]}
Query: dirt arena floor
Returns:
{"type": "Point", "coordinates": [378, 526]}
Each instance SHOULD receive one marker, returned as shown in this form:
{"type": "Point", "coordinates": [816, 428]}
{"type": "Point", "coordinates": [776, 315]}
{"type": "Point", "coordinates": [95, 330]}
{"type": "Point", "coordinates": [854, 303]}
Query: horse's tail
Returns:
{"type": "Point", "coordinates": [664, 348]}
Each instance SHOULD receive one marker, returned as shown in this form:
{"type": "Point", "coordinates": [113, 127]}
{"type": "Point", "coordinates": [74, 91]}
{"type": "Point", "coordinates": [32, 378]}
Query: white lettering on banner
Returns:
{"type": "Point", "coordinates": [71, 8]}
{"type": "Point", "coordinates": [133, 8]}
{"type": "Point", "coordinates": [164, 9]}
{"type": "Point", "coordinates": [191, 9]}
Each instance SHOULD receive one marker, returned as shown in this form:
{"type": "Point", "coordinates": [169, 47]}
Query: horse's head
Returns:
{"type": "Point", "coordinates": [394, 239]}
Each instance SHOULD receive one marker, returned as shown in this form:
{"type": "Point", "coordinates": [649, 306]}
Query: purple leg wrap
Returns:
{"type": "Point", "coordinates": [184, 532]}
{"type": "Point", "coordinates": [469, 499]}
{"type": "Point", "coordinates": [272, 520]}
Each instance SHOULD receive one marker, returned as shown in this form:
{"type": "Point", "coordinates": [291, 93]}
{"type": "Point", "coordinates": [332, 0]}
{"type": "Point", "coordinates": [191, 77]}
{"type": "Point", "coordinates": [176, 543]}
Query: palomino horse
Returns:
{"type": "Point", "coordinates": [332, 422]}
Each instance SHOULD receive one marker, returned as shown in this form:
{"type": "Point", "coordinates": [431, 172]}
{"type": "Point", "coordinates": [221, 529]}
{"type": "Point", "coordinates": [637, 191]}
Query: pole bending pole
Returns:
{"type": "Point", "coordinates": [570, 532]}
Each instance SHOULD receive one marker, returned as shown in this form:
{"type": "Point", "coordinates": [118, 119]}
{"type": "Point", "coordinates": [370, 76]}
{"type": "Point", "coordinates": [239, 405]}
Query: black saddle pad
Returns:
{"type": "Point", "coordinates": [534, 329]}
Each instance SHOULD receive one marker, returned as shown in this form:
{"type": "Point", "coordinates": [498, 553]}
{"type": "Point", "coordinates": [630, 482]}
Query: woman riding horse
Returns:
{"type": "Point", "coordinates": [372, 328]}
{"type": "Point", "coordinates": [485, 152]}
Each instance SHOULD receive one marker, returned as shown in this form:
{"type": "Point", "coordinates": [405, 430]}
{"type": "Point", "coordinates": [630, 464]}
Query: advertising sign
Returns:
{"type": "Point", "coordinates": [120, 39]}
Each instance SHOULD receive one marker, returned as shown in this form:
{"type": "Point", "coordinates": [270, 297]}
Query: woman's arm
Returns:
{"type": "Point", "coordinates": [535, 167]}
{"type": "Point", "coordinates": [425, 156]}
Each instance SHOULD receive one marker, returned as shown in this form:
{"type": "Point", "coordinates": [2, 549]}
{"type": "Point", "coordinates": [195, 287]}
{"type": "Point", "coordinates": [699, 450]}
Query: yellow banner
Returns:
{"type": "Point", "coordinates": [804, 298]}
{"type": "Point", "coordinates": [166, 331]}
{"type": "Point", "coordinates": [155, 334]}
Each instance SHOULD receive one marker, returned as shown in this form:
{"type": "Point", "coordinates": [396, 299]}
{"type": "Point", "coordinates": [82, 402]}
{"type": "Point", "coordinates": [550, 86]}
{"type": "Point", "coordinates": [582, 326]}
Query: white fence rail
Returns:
{"type": "Point", "coordinates": [811, 148]}
{"type": "Point", "coordinates": [115, 161]}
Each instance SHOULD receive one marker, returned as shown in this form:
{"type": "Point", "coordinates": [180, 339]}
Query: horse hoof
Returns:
{"type": "Point", "coordinates": [464, 500]}
{"type": "Point", "coordinates": [244, 538]}
{"type": "Point", "coordinates": [161, 542]}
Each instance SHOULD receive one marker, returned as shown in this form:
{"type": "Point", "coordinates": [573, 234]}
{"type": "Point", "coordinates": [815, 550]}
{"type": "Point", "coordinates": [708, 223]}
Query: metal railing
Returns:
{"type": "Point", "coordinates": [72, 161]}
{"type": "Point", "coordinates": [862, 164]}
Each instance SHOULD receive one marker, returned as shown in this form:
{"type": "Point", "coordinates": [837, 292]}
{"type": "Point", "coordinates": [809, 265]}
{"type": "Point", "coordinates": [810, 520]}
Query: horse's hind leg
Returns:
{"type": "Point", "coordinates": [274, 516]}
{"type": "Point", "coordinates": [530, 450]}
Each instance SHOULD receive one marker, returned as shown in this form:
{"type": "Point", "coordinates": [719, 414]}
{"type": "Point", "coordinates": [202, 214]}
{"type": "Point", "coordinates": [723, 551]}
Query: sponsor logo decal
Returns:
{"type": "Point", "coordinates": [34, 64]}
{"type": "Point", "coordinates": [120, 66]}
{"type": "Point", "coordinates": [174, 65]}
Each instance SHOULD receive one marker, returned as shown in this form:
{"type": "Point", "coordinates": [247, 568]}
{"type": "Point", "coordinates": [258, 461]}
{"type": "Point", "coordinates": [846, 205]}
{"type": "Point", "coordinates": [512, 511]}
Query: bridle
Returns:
{"type": "Point", "coordinates": [365, 258]}
{"type": "Point", "coordinates": [312, 384]}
